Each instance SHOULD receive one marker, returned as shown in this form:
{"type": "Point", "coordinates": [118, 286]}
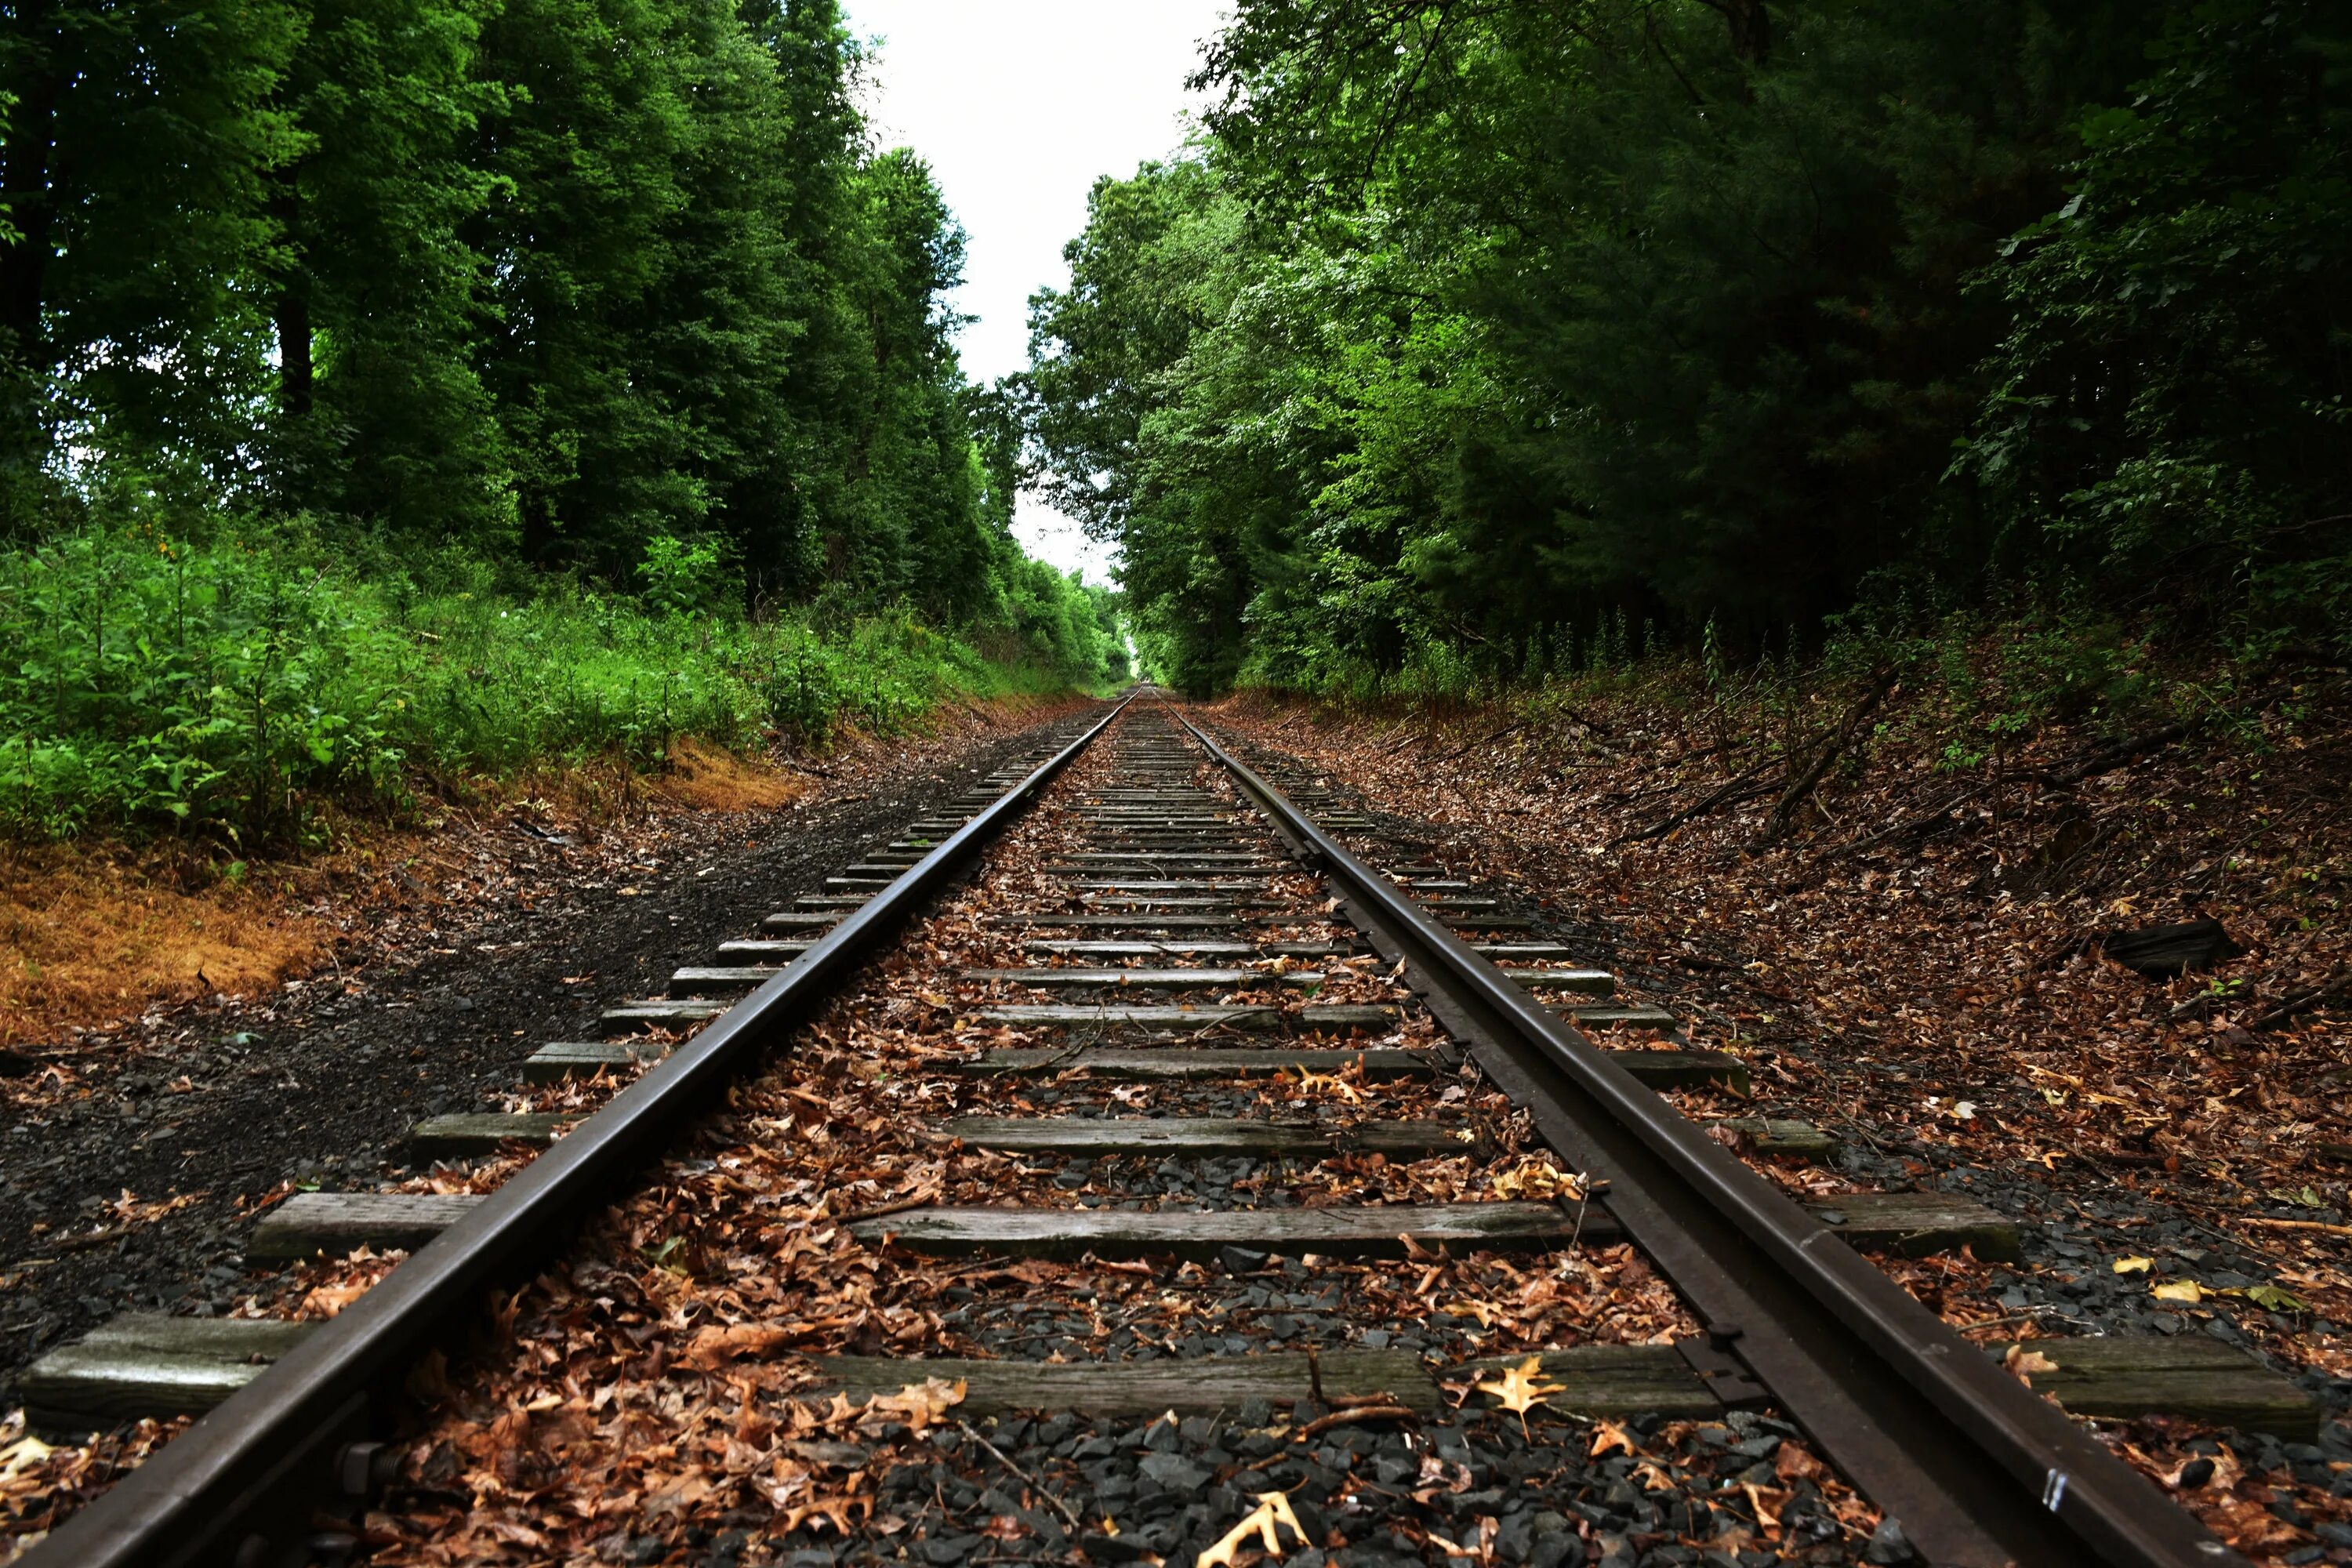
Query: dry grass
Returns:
{"type": "Point", "coordinates": [707, 779]}
{"type": "Point", "coordinates": [89, 935]}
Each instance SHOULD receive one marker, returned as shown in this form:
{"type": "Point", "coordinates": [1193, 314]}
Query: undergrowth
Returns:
{"type": "Point", "coordinates": [221, 689]}
{"type": "Point", "coordinates": [1986, 683]}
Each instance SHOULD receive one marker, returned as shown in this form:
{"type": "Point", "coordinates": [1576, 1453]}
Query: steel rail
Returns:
{"type": "Point", "coordinates": [1979, 1469]}
{"type": "Point", "coordinates": [240, 1486]}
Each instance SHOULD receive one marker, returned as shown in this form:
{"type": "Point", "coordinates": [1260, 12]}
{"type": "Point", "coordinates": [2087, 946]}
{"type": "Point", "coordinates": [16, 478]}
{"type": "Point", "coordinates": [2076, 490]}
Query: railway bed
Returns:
{"type": "Point", "coordinates": [1135, 1116]}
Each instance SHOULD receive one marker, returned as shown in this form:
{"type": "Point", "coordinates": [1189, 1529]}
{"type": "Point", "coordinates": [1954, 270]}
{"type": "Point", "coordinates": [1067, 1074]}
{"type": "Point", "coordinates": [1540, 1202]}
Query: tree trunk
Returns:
{"type": "Point", "coordinates": [293, 354]}
{"type": "Point", "coordinates": [1751, 30]}
{"type": "Point", "coordinates": [292, 312]}
{"type": "Point", "coordinates": [25, 170]}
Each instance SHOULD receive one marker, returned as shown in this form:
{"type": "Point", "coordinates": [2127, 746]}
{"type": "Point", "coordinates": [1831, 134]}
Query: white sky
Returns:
{"type": "Point", "coordinates": [1018, 105]}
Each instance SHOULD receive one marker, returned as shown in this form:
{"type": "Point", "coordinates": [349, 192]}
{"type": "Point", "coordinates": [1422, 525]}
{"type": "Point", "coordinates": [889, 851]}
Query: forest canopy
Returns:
{"type": "Point", "coordinates": [329, 316]}
{"type": "Point", "coordinates": [1490, 337]}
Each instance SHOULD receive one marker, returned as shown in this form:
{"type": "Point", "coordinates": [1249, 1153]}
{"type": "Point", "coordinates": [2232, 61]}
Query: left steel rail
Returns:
{"type": "Point", "coordinates": [242, 1486]}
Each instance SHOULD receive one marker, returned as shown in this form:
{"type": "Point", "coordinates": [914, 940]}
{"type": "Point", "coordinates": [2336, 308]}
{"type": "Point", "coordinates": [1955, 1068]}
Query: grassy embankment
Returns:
{"type": "Point", "coordinates": [194, 738]}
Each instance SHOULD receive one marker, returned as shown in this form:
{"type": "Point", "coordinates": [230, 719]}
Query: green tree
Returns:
{"type": "Point", "coordinates": [2173, 396]}
{"type": "Point", "coordinates": [140, 135]}
{"type": "Point", "coordinates": [381, 413]}
{"type": "Point", "coordinates": [1468, 330]}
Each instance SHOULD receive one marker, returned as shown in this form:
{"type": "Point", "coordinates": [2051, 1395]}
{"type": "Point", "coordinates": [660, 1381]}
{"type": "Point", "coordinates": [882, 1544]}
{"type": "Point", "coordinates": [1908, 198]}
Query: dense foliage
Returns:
{"type": "Point", "coordinates": [1490, 338]}
{"type": "Point", "coordinates": [222, 689]}
{"type": "Point", "coordinates": [553, 295]}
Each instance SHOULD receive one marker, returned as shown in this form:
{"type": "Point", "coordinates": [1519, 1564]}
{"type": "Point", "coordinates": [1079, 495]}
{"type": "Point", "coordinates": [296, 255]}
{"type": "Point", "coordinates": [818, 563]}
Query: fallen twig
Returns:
{"type": "Point", "coordinates": [1323, 1424]}
{"type": "Point", "coordinates": [2319, 1224]}
{"type": "Point", "coordinates": [1908, 826]}
{"type": "Point", "coordinates": [2106, 758]}
{"type": "Point", "coordinates": [898, 1205]}
{"type": "Point", "coordinates": [1032, 1482]}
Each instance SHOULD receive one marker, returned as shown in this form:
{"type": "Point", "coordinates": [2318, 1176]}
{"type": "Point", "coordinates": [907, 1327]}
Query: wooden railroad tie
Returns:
{"type": "Point", "coordinates": [1343, 1231]}
{"type": "Point", "coordinates": [1208, 1137]}
{"type": "Point", "coordinates": [1237, 1016]}
{"type": "Point", "coordinates": [152, 1366]}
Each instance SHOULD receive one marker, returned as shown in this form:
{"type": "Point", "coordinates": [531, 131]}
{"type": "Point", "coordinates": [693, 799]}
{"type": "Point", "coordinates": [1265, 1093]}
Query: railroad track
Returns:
{"type": "Point", "coordinates": [1175, 1042]}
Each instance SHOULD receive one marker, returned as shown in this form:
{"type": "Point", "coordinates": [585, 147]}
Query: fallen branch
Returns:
{"type": "Point", "coordinates": [1720, 798]}
{"type": "Point", "coordinates": [2335, 984]}
{"type": "Point", "coordinates": [1908, 826]}
{"type": "Point", "coordinates": [2106, 758]}
{"type": "Point", "coordinates": [1842, 739]}
{"type": "Point", "coordinates": [1032, 1482]}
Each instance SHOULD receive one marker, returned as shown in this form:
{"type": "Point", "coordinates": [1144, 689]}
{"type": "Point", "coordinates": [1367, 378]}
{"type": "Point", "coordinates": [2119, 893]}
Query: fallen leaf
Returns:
{"type": "Point", "coordinates": [1535, 1179]}
{"type": "Point", "coordinates": [2134, 1265]}
{"type": "Point", "coordinates": [716, 1345]}
{"type": "Point", "coordinates": [1329, 1084]}
{"type": "Point", "coordinates": [1766, 1504]}
{"type": "Point", "coordinates": [2179, 1290]}
{"type": "Point", "coordinates": [1793, 1463]}
{"type": "Point", "coordinates": [21, 1455]}
{"type": "Point", "coordinates": [1478, 1310]}
{"type": "Point", "coordinates": [326, 1300]}
{"type": "Point", "coordinates": [2270, 1299]}
{"type": "Point", "coordinates": [1272, 1509]}
{"type": "Point", "coordinates": [1607, 1436]}
{"type": "Point", "coordinates": [2025, 1363]}
{"type": "Point", "coordinates": [1522, 1387]}
{"type": "Point", "coordinates": [919, 1403]}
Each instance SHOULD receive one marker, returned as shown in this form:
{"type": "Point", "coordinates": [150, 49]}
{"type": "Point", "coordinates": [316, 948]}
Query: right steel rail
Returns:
{"type": "Point", "coordinates": [1980, 1471]}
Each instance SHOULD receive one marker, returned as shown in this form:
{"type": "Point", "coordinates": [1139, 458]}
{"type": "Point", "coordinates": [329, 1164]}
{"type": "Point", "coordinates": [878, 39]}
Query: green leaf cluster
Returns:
{"type": "Point", "coordinates": [1471, 342]}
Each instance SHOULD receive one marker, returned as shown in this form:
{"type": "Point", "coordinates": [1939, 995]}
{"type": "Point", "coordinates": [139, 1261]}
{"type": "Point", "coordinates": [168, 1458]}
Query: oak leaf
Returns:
{"type": "Point", "coordinates": [2024, 1363]}
{"type": "Point", "coordinates": [1609, 1434]}
{"type": "Point", "coordinates": [1523, 1387]}
{"type": "Point", "coordinates": [1535, 1179]}
{"type": "Point", "coordinates": [919, 1404]}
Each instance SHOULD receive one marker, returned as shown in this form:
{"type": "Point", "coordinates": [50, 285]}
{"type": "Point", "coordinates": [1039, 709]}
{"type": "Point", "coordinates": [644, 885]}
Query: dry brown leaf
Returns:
{"type": "Point", "coordinates": [715, 1346]}
{"type": "Point", "coordinates": [2024, 1363]}
{"type": "Point", "coordinates": [1535, 1179]}
{"type": "Point", "coordinates": [919, 1404]}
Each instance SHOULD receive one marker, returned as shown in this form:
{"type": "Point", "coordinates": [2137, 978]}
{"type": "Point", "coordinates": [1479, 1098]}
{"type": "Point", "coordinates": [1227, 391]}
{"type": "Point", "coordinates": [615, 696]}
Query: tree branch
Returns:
{"type": "Point", "coordinates": [1784, 812]}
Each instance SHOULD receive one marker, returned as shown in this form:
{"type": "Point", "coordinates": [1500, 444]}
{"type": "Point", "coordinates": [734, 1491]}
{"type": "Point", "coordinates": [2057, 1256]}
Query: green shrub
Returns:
{"type": "Point", "coordinates": [221, 689]}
